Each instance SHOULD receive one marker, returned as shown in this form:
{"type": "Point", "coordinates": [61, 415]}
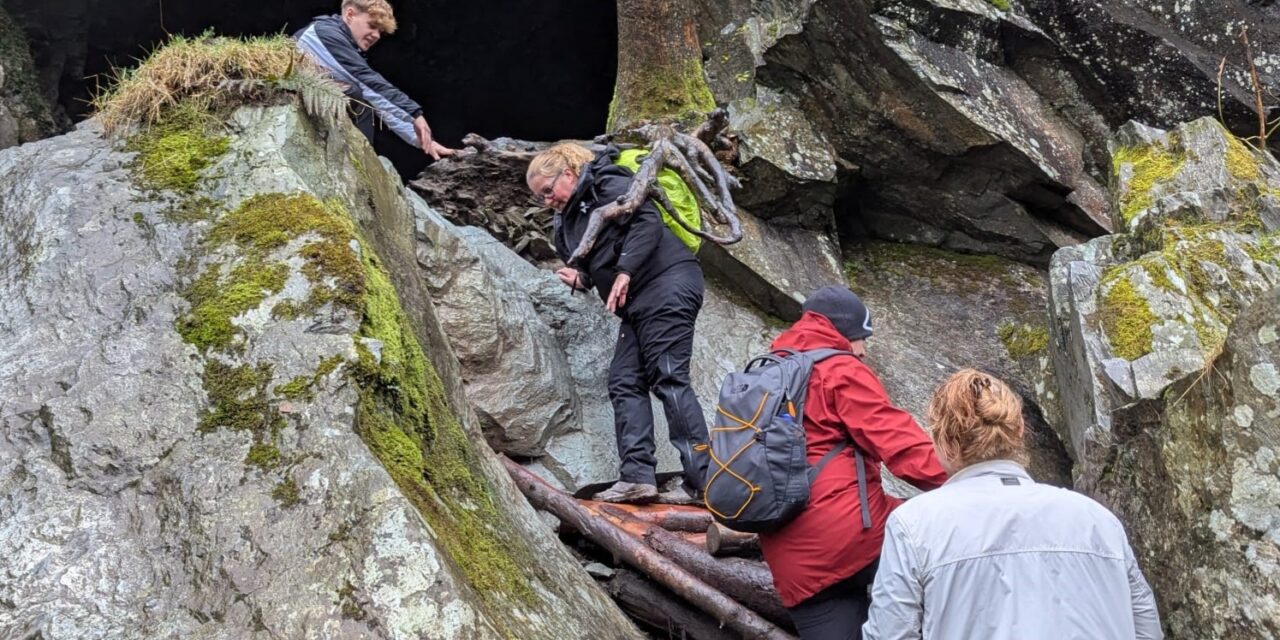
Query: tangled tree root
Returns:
{"type": "Point", "coordinates": [690, 156]}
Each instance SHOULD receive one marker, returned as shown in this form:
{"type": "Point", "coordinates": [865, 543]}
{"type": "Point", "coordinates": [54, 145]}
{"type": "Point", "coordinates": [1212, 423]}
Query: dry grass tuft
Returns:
{"type": "Point", "coordinates": [207, 73]}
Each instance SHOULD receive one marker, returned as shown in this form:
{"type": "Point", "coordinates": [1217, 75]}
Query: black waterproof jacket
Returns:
{"type": "Point", "coordinates": [640, 245]}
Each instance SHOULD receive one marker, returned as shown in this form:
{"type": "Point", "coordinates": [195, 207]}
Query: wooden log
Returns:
{"type": "Point", "coordinates": [639, 528]}
{"type": "Point", "coordinates": [636, 553]}
{"type": "Point", "coordinates": [657, 608]}
{"type": "Point", "coordinates": [723, 541]}
{"type": "Point", "coordinates": [746, 581]}
{"type": "Point", "coordinates": [669, 517]}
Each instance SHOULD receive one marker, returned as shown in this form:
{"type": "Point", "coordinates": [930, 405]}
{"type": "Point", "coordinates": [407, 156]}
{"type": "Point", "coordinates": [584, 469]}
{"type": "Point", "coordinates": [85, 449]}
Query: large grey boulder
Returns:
{"type": "Point", "coordinates": [211, 428]}
{"type": "Point", "coordinates": [535, 356]}
{"type": "Point", "coordinates": [1164, 348]}
{"type": "Point", "coordinates": [1137, 312]}
{"type": "Point", "coordinates": [1195, 479]}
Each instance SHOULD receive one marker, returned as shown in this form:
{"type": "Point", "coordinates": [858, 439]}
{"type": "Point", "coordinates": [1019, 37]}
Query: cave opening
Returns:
{"type": "Point", "coordinates": [529, 69]}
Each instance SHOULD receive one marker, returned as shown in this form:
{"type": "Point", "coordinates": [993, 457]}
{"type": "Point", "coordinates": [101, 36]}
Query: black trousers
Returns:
{"type": "Point", "coordinates": [837, 612]}
{"type": "Point", "coordinates": [655, 344]}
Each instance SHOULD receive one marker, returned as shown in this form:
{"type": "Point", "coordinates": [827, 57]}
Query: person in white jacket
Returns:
{"type": "Point", "coordinates": [993, 555]}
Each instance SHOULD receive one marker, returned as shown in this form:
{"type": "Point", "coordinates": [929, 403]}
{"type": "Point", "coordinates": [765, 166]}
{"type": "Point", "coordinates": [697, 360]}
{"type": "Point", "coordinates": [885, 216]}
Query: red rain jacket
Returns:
{"type": "Point", "coordinates": [826, 542]}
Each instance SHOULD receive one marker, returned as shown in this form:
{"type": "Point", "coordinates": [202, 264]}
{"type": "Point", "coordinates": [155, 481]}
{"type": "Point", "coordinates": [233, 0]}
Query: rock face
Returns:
{"type": "Point", "coordinates": [1196, 480]}
{"type": "Point", "coordinates": [1135, 312]}
{"type": "Point", "coordinates": [221, 424]}
{"type": "Point", "coordinates": [1163, 344]}
{"type": "Point", "coordinates": [935, 312]}
{"type": "Point", "coordinates": [968, 124]}
{"type": "Point", "coordinates": [24, 114]}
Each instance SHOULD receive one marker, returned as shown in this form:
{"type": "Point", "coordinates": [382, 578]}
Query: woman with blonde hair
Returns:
{"type": "Point", "coordinates": [653, 283]}
{"type": "Point", "coordinates": [994, 555]}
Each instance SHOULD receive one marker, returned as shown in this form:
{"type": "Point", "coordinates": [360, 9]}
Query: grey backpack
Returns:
{"type": "Point", "coordinates": [759, 479]}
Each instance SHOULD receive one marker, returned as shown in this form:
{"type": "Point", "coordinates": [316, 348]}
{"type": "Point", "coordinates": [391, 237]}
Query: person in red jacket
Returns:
{"type": "Point", "coordinates": [823, 561]}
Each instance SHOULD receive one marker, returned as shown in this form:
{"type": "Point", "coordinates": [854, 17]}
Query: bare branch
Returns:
{"type": "Point", "coordinates": [1257, 89]}
{"type": "Point", "coordinates": [716, 122]}
{"type": "Point", "coordinates": [1222, 66]}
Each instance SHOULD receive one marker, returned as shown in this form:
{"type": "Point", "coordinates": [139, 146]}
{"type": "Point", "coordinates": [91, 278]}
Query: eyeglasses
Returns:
{"type": "Point", "coordinates": [546, 191]}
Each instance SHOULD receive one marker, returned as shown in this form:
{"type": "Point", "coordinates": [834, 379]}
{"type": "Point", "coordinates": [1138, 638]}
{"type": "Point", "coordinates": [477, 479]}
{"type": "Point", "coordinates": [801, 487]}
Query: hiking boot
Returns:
{"type": "Point", "coordinates": [674, 492]}
{"type": "Point", "coordinates": [628, 492]}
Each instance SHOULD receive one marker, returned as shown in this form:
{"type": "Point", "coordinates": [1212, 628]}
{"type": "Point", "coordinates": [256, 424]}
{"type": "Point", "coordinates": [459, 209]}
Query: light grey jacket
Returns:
{"type": "Point", "coordinates": [992, 555]}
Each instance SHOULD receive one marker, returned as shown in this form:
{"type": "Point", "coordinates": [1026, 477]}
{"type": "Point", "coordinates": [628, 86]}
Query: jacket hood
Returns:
{"type": "Point", "coordinates": [335, 22]}
{"type": "Point", "coordinates": [811, 331]}
{"type": "Point", "coordinates": [600, 167]}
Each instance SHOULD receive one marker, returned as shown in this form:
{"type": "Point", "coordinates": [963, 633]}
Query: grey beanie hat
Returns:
{"type": "Point", "coordinates": [843, 308]}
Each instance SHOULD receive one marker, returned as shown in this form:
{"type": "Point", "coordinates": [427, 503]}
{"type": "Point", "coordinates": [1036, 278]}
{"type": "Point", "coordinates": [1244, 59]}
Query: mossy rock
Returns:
{"type": "Point", "coordinates": [1022, 340]}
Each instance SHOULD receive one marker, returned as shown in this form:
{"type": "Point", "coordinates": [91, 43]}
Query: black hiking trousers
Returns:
{"type": "Point", "coordinates": [837, 612]}
{"type": "Point", "coordinates": [655, 344]}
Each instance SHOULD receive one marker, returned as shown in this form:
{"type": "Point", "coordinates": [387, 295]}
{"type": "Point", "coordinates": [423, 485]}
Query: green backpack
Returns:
{"type": "Point", "coordinates": [678, 192]}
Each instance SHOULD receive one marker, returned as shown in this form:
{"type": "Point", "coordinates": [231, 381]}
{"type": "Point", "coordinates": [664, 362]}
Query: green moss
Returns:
{"type": "Point", "coordinates": [286, 310]}
{"type": "Point", "coordinates": [403, 415]}
{"type": "Point", "coordinates": [1240, 160]}
{"type": "Point", "coordinates": [937, 266]}
{"type": "Point", "coordinates": [1023, 340]}
{"type": "Point", "coordinates": [173, 152]}
{"type": "Point", "coordinates": [264, 456]}
{"type": "Point", "coordinates": [677, 93]}
{"type": "Point", "coordinates": [215, 300]}
{"type": "Point", "coordinates": [286, 493]}
{"type": "Point", "coordinates": [1157, 268]}
{"type": "Point", "coordinates": [139, 219]}
{"type": "Point", "coordinates": [327, 366]}
{"type": "Point", "coordinates": [302, 388]}
{"type": "Point", "coordinates": [1126, 317]}
{"type": "Point", "coordinates": [259, 227]}
{"type": "Point", "coordinates": [1152, 165]}
{"type": "Point", "coordinates": [1002, 5]}
{"type": "Point", "coordinates": [239, 399]}
{"type": "Point", "coordinates": [265, 223]}
{"type": "Point", "coordinates": [297, 389]}
{"type": "Point", "coordinates": [193, 208]}
{"type": "Point", "coordinates": [1267, 249]}
{"type": "Point", "coordinates": [406, 421]}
